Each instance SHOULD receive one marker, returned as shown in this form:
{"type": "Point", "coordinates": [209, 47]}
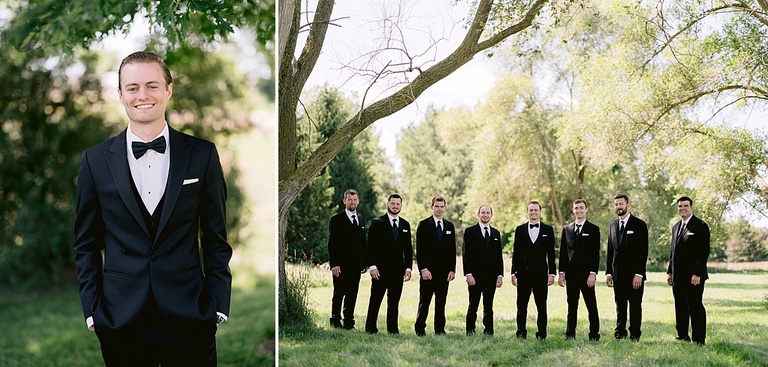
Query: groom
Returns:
{"type": "Point", "coordinates": [150, 233]}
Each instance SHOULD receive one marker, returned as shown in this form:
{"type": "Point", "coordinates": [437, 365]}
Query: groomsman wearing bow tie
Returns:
{"type": "Point", "coordinates": [483, 268]}
{"type": "Point", "coordinates": [579, 260]}
{"type": "Point", "coordinates": [533, 269]}
{"type": "Point", "coordinates": [150, 243]}
{"type": "Point", "coordinates": [346, 243]}
{"type": "Point", "coordinates": [625, 268]}
{"type": "Point", "coordinates": [436, 258]}
{"type": "Point", "coordinates": [389, 258]}
{"type": "Point", "coordinates": [687, 272]}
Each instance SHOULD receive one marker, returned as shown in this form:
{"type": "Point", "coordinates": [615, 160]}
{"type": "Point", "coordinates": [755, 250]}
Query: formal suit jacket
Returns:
{"type": "Point", "coordinates": [439, 256]}
{"type": "Point", "coordinates": [534, 260]}
{"type": "Point", "coordinates": [391, 256]}
{"type": "Point", "coordinates": [689, 251]}
{"type": "Point", "coordinates": [625, 259]}
{"type": "Point", "coordinates": [482, 258]}
{"type": "Point", "coordinates": [187, 286]}
{"type": "Point", "coordinates": [346, 242]}
{"type": "Point", "coordinates": [579, 255]}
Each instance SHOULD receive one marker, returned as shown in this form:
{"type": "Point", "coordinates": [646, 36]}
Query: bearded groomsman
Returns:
{"type": "Point", "coordinates": [579, 259]}
{"type": "Point", "coordinates": [483, 268]}
{"type": "Point", "coordinates": [436, 258]}
{"type": "Point", "coordinates": [687, 271]}
{"type": "Point", "coordinates": [533, 269]}
{"type": "Point", "coordinates": [346, 242]}
{"type": "Point", "coordinates": [389, 257]}
{"type": "Point", "coordinates": [625, 268]}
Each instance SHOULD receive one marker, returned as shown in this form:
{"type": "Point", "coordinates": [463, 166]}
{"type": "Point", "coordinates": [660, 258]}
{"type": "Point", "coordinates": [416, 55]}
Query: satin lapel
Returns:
{"type": "Point", "coordinates": [180, 154]}
{"type": "Point", "coordinates": [117, 160]}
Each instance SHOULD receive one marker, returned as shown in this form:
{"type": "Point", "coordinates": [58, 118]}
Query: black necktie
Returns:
{"type": "Point", "coordinates": [621, 230]}
{"type": "Point", "coordinates": [354, 220]}
{"type": "Point", "coordinates": [139, 148]}
{"type": "Point", "coordinates": [578, 229]}
{"type": "Point", "coordinates": [439, 231]}
{"type": "Point", "coordinates": [487, 235]}
{"type": "Point", "coordinates": [394, 228]}
{"type": "Point", "coordinates": [534, 225]}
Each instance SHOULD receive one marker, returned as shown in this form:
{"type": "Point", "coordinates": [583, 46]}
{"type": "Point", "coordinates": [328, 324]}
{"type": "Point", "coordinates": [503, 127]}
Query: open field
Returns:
{"type": "Point", "coordinates": [737, 330]}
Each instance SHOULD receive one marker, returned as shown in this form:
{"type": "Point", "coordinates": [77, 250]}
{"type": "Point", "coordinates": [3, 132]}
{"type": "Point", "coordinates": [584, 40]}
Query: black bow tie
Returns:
{"type": "Point", "coordinates": [534, 225]}
{"type": "Point", "coordinates": [139, 148]}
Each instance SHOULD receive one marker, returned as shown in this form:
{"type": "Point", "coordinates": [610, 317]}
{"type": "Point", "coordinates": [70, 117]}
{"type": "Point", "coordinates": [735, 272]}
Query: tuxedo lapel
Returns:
{"type": "Point", "coordinates": [180, 153]}
{"type": "Point", "coordinates": [117, 161]}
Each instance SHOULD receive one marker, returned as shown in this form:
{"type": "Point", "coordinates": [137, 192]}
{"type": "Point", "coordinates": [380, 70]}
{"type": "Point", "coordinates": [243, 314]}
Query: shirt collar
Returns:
{"type": "Point", "coordinates": [393, 217]}
{"type": "Point", "coordinates": [131, 137]}
{"type": "Point", "coordinates": [435, 219]}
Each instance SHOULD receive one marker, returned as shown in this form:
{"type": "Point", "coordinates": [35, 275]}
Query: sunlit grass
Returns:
{"type": "Point", "coordinates": [736, 331]}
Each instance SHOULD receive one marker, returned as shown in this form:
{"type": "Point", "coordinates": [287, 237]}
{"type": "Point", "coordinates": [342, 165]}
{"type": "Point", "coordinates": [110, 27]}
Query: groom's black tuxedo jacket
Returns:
{"type": "Point", "coordinates": [184, 268]}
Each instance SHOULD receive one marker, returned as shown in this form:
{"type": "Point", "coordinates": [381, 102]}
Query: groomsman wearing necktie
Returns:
{"type": "Point", "coordinates": [533, 269]}
{"type": "Point", "coordinates": [579, 259]}
{"type": "Point", "coordinates": [150, 243]}
{"type": "Point", "coordinates": [436, 258]}
{"type": "Point", "coordinates": [346, 243]}
{"type": "Point", "coordinates": [483, 268]}
{"type": "Point", "coordinates": [687, 271]}
{"type": "Point", "coordinates": [626, 257]}
{"type": "Point", "coordinates": [389, 258]}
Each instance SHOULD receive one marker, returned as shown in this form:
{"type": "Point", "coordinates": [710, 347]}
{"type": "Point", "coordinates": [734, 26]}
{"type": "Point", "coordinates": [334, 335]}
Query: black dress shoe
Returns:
{"type": "Point", "coordinates": [488, 332]}
{"type": "Point", "coordinates": [470, 332]}
{"type": "Point", "coordinates": [570, 336]}
{"type": "Point", "coordinates": [594, 338]}
{"type": "Point", "coordinates": [619, 337]}
{"type": "Point", "coordinates": [371, 331]}
{"type": "Point", "coordinates": [685, 338]}
{"type": "Point", "coordinates": [420, 333]}
{"type": "Point", "coordinates": [393, 332]}
{"type": "Point", "coordinates": [634, 338]}
{"type": "Point", "coordinates": [336, 323]}
{"type": "Point", "coordinates": [441, 332]}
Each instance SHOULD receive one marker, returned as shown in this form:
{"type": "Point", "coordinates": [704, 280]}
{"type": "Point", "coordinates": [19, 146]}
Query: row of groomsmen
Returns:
{"type": "Point", "coordinates": [387, 255]}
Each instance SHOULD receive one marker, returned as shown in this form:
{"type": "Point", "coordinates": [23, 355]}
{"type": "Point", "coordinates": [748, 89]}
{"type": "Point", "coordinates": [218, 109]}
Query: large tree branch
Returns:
{"type": "Point", "coordinates": [403, 97]}
{"type": "Point", "coordinates": [740, 6]}
{"type": "Point", "coordinates": [694, 97]}
{"type": "Point", "coordinates": [311, 52]}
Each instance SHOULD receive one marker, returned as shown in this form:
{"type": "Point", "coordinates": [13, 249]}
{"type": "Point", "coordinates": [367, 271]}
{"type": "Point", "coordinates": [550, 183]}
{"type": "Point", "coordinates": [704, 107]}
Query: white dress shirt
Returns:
{"type": "Point", "coordinates": [150, 172]}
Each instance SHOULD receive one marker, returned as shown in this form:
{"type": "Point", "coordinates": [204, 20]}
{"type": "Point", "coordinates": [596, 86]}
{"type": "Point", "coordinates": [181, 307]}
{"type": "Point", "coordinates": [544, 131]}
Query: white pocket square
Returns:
{"type": "Point", "coordinates": [585, 234]}
{"type": "Point", "coordinates": [689, 234]}
{"type": "Point", "coordinates": [447, 232]}
{"type": "Point", "coordinates": [405, 230]}
{"type": "Point", "coordinates": [630, 232]}
{"type": "Point", "coordinates": [543, 235]}
{"type": "Point", "coordinates": [190, 181]}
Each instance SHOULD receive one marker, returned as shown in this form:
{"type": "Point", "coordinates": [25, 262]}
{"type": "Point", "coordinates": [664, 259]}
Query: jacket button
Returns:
{"type": "Point", "coordinates": [153, 257]}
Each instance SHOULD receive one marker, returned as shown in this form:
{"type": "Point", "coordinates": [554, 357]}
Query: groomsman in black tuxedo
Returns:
{"type": "Point", "coordinates": [579, 259]}
{"type": "Point", "coordinates": [389, 257]}
{"type": "Point", "coordinates": [533, 269]}
{"type": "Point", "coordinates": [483, 268]}
{"type": "Point", "coordinates": [687, 271]}
{"type": "Point", "coordinates": [346, 242]}
{"type": "Point", "coordinates": [625, 268]}
{"type": "Point", "coordinates": [436, 258]}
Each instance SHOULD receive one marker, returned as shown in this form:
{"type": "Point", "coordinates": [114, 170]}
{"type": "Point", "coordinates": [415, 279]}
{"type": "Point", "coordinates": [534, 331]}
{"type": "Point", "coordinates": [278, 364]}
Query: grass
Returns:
{"type": "Point", "coordinates": [46, 328]}
{"type": "Point", "coordinates": [737, 330]}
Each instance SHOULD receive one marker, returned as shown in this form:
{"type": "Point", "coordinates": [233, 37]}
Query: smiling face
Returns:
{"type": "Point", "coordinates": [144, 93]}
{"type": "Point", "coordinates": [534, 211]}
{"type": "Point", "coordinates": [685, 209]}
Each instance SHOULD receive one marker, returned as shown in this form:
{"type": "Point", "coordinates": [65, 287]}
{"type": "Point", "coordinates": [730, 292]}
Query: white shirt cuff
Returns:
{"type": "Point", "coordinates": [89, 322]}
{"type": "Point", "coordinates": [372, 267]}
{"type": "Point", "coordinates": [408, 270]}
